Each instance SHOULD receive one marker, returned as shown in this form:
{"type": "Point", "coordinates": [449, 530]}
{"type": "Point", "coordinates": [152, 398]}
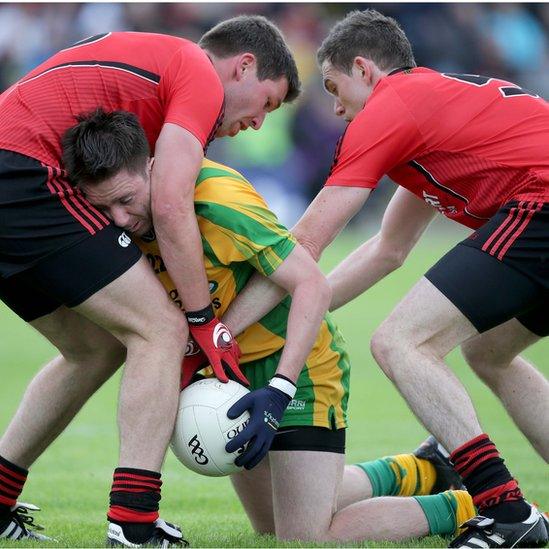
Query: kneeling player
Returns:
{"type": "Point", "coordinates": [296, 490]}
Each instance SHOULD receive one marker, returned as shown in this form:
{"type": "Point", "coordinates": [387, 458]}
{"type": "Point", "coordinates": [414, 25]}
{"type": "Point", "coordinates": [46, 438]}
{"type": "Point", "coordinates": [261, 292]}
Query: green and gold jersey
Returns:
{"type": "Point", "coordinates": [240, 235]}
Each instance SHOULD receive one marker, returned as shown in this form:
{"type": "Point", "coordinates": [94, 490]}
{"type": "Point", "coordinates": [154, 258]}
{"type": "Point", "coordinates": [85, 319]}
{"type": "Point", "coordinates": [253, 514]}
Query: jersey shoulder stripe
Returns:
{"type": "Point", "coordinates": [137, 71]}
{"type": "Point", "coordinates": [212, 169]}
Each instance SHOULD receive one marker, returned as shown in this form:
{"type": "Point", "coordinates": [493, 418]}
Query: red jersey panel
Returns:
{"type": "Point", "coordinates": [159, 78]}
{"type": "Point", "coordinates": [465, 144]}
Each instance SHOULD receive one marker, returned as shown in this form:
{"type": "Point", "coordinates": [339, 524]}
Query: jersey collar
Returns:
{"type": "Point", "coordinates": [400, 69]}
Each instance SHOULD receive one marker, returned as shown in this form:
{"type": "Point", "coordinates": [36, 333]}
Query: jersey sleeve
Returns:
{"type": "Point", "coordinates": [192, 93]}
{"type": "Point", "coordinates": [383, 135]}
{"type": "Point", "coordinates": [236, 226]}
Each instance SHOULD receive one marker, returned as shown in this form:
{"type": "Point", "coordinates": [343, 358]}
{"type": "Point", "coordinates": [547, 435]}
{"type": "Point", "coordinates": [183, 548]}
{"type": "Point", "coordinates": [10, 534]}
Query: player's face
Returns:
{"type": "Point", "coordinates": [350, 92]}
{"type": "Point", "coordinates": [248, 100]}
{"type": "Point", "coordinates": [124, 198]}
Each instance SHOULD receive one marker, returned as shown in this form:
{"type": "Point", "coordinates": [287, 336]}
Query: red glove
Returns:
{"type": "Point", "coordinates": [217, 343]}
{"type": "Point", "coordinates": [193, 361]}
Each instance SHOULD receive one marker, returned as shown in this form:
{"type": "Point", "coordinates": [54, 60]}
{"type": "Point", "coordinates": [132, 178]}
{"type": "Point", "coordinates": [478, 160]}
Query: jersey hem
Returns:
{"type": "Point", "coordinates": [30, 154]}
{"type": "Point", "coordinates": [313, 422]}
{"type": "Point", "coordinates": [362, 183]}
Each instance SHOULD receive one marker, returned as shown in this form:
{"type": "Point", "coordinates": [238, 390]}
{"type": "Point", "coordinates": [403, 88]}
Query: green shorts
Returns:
{"type": "Point", "coordinates": [322, 387]}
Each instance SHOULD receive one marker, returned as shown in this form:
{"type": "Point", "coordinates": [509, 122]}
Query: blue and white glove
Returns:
{"type": "Point", "coordinates": [266, 407]}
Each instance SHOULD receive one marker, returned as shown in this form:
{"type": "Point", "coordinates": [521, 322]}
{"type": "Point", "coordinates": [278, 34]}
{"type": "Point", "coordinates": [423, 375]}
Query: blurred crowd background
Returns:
{"type": "Point", "coordinates": [288, 159]}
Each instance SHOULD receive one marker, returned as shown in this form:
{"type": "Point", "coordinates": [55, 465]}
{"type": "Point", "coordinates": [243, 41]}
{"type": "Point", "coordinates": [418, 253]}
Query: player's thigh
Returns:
{"type": "Point", "coordinates": [424, 318]}
{"type": "Point", "coordinates": [254, 489]}
{"type": "Point", "coordinates": [81, 341]}
{"type": "Point", "coordinates": [305, 487]}
{"type": "Point", "coordinates": [135, 304]}
{"type": "Point", "coordinates": [499, 346]}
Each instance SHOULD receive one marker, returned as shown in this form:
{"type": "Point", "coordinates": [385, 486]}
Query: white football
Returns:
{"type": "Point", "coordinates": [202, 428]}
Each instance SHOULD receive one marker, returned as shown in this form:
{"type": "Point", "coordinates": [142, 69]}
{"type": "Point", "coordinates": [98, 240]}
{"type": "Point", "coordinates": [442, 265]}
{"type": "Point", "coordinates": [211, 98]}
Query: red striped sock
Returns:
{"type": "Point", "coordinates": [485, 475]}
{"type": "Point", "coordinates": [135, 495]}
{"type": "Point", "coordinates": [12, 480]}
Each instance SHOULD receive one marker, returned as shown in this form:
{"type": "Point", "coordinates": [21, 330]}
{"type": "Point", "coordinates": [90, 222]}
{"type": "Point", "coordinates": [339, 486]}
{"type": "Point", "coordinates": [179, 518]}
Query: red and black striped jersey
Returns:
{"type": "Point", "coordinates": [160, 78]}
{"type": "Point", "coordinates": [466, 144]}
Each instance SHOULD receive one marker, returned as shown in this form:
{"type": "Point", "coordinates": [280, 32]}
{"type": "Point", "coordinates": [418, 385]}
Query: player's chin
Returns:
{"type": "Point", "coordinates": [142, 228]}
{"type": "Point", "coordinates": [223, 132]}
{"type": "Point", "coordinates": [231, 131]}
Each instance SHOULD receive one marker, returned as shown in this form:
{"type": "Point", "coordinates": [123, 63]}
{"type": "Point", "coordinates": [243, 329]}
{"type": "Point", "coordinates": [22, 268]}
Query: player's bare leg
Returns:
{"type": "Point", "coordinates": [305, 487]}
{"type": "Point", "coordinates": [523, 390]}
{"type": "Point", "coordinates": [301, 505]}
{"type": "Point", "coordinates": [59, 390]}
{"type": "Point", "coordinates": [355, 486]}
{"type": "Point", "coordinates": [410, 347]}
{"type": "Point", "coordinates": [254, 489]}
{"type": "Point", "coordinates": [154, 332]}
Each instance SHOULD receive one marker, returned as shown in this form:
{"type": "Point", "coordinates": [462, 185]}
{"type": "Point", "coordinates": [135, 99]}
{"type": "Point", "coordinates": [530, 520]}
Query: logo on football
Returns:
{"type": "Point", "coordinates": [202, 428]}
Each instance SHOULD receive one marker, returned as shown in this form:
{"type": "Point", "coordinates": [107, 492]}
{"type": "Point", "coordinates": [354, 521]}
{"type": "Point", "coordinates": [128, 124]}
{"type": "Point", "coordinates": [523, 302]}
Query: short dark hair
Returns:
{"type": "Point", "coordinates": [255, 34]}
{"type": "Point", "coordinates": [103, 143]}
{"type": "Point", "coordinates": [368, 34]}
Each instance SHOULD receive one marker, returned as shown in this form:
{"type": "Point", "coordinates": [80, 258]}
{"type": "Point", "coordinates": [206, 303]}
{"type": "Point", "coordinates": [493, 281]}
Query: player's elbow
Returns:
{"type": "Point", "coordinates": [392, 257]}
{"type": "Point", "coordinates": [322, 291]}
{"type": "Point", "coordinates": [310, 244]}
{"type": "Point", "coordinates": [313, 289]}
{"type": "Point", "coordinates": [168, 213]}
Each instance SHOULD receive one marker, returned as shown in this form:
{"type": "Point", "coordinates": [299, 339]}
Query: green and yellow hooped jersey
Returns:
{"type": "Point", "coordinates": [241, 235]}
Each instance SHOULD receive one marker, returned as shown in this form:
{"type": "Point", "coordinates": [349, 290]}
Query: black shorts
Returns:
{"type": "Point", "coordinates": [502, 270]}
{"type": "Point", "coordinates": [309, 438]}
{"type": "Point", "coordinates": [55, 248]}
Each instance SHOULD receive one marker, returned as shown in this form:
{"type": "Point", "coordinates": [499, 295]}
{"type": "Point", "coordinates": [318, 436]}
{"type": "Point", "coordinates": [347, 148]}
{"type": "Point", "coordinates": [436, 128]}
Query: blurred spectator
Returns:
{"type": "Point", "coordinates": [289, 160]}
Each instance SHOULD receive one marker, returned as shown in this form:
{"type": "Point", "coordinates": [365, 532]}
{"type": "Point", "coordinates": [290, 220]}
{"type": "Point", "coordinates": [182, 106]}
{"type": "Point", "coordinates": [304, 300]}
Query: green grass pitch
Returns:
{"type": "Point", "coordinates": [71, 481]}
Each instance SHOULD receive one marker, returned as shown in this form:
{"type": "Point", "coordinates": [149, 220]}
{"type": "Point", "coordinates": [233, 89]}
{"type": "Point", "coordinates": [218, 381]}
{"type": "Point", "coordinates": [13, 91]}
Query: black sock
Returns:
{"type": "Point", "coordinates": [137, 532]}
{"type": "Point", "coordinates": [134, 499]}
{"type": "Point", "coordinates": [495, 492]}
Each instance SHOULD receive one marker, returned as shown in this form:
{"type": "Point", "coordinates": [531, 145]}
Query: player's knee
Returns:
{"type": "Point", "coordinates": [384, 347]}
{"type": "Point", "coordinates": [94, 354]}
{"type": "Point", "coordinates": [165, 327]}
{"type": "Point", "coordinates": [484, 361]}
{"type": "Point", "coordinates": [302, 532]}
{"type": "Point", "coordinates": [264, 529]}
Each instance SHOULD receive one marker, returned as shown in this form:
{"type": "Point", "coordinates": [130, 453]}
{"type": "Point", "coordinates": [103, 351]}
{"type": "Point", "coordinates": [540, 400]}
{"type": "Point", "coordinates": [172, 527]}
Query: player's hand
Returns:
{"type": "Point", "coordinates": [217, 343]}
{"type": "Point", "coordinates": [266, 407]}
{"type": "Point", "coordinates": [193, 361]}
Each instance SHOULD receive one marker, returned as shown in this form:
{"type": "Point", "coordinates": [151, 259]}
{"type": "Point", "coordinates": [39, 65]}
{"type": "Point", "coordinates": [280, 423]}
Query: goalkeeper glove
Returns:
{"type": "Point", "coordinates": [217, 343]}
{"type": "Point", "coordinates": [193, 361]}
{"type": "Point", "coordinates": [266, 407]}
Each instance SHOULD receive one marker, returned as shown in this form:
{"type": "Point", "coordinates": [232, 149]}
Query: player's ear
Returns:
{"type": "Point", "coordinates": [149, 166]}
{"type": "Point", "coordinates": [244, 64]}
{"type": "Point", "coordinates": [364, 68]}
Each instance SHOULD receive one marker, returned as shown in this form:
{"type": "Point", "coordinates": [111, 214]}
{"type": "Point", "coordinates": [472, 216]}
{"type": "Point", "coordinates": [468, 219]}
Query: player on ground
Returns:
{"type": "Point", "coordinates": [292, 493]}
{"type": "Point", "coordinates": [474, 149]}
{"type": "Point", "coordinates": [67, 270]}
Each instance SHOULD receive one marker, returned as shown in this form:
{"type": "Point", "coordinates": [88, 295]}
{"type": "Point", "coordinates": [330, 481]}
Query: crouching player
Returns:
{"type": "Point", "coordinates": [302, 489]}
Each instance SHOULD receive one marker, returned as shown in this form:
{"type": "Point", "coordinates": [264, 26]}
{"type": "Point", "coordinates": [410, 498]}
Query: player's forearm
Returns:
{"type": "Point", "coordinates": [310, 301]}
{"type": "Point", "coordinates": [326, 217]}
{"type": "Point", "coordinates": [181, 250]}
{"type": "Point", "coordinates": [363, 268]}
{"type": "Point", "coordinates": [259, 297]}
{"type": "Point", "coordinates": [178, 159]}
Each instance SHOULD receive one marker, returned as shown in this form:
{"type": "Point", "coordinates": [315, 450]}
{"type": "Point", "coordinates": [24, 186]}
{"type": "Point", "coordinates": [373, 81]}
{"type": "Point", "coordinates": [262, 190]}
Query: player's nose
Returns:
{"type": "Point", "coordinates": [120, 217]}
{"type": "Point", "coordinates": [257, 121]}
{"type": "Point", "coordinates": [339, 109]}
